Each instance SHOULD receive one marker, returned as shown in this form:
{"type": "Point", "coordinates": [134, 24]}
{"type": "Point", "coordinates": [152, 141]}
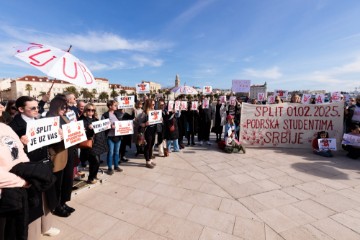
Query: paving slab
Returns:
{"type": "Point", "coordinates": [203, 193]}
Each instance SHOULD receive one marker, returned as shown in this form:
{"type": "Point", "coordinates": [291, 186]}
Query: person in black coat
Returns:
{"type": "Point", "coordinates": [205, 116]}
{"type": "Point", "coordinates": [28, 111]}
{"type": "Point", "coordinates": [171, 131]}
{"type": "Point", "coordinates": [192, 120]}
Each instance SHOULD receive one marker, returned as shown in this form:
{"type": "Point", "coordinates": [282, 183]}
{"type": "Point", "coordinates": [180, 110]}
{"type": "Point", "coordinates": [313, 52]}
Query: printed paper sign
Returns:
{"type": "Point", "coordinates": [101, 125]}
{"type": "Point", "coordinates": [207, 90]}
{"type": "Point", "coordinates": [183, 105]}
{"type": "Point", "coordinates": [232, 100]}
{"type": "Point", "coordinates": [222, 99]}
{"type": "Point", "coordinates": [261, 97]}
{"type": "Point", "coordinates": [327, 144]}
{"type": "Point", "coordinates": [289, 125]}
{"type": "Point", "coordinates": [306, 98]}
{"type": "Point", "coordinates": [177, 106]}
{"type": "Point", "coordinates": [74, 133]}
{"type": "Point", "coordinates": [281, 93]}
{"type": "Point", "coordinates": [124, 127]}
{"type": "Point", "coordinates": [205, 103]}
{"type": "Point", "coordinates": [241, 86]}
{"type": "Point", "coordinates": [319, 98]}
{"type": "Point", "coordinates": [71, 115]}
{"type": "Point", "coordinates": [42, 132]}
{"type": "Point", "coordinates": [350, 139]}
{"type": "Point", "coordinates": [142, 88]}
{"type": "Point", "coordinates": [171, 106]}
{"type": "Point", "coordinates": [271, 99]}
{"type": "Point", "coordinates": [155, 117]}
{"type": "Point", "coordinates": [125, 101]}
{"type": "Point", "coordinates": [336, 97]}
{"type": "Point", "coordinates": [194, 105]}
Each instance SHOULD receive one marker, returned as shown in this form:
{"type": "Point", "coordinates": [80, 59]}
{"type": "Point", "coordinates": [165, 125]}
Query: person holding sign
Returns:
{"type": "Point", "coordinates": [149, 132]}
{"type": "Point", "coordinates": [353, 150]}
{"type": "Point", "coordinates": [192, 120]}
{"type": "Point", "coordinates": [41, 217]}
{"type": "Point", "coordinates": [88, 117]}
{"type": "Point", "coordinates": [219, 119]}
{"type": "Point", "coordinates": [205, 116]}
{"type": "Point", "coordinates": [112, 140]}
{"type": "Point", "coordinates": [315, 145]}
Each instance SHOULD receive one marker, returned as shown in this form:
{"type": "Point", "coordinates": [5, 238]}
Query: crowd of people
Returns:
{"type": "Point", "coordinates": [38, 198]}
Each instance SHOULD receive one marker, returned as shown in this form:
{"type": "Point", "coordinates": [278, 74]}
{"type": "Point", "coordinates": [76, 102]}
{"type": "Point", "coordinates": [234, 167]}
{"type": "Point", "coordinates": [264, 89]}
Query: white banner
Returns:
{"type": "Point", "coordinates": [142, 88]}
{"type": "Point", "coordinates": [71, 115]}
{"type": "Point", "coordinates": [306, 98]}
{"type": "Point", "coordinates": [205, 103]}
{"type": "Point", "coordinates": [271, 99]}
{"type": "Point", "coordinates": [125, 101]}
{"type": "Point", "coordinates": [42, 132]}
{"type": "Point", "coordinates": [177, 106]}
{"type": "Point", "coordinates": [183, 105]}
{"type": "Point", "coordinates": [350, 139]}
{"type": "Point", "coordinates": [194, 105]}
{"type": "Point", "coordinates": [241, 86]}
{"type": "Point", "coordinates": [232, 101]}
{"type": "Point", "coordinates": [289, 125]}
{"type": "Point", "coordinates": [336, 96]}
{"type": "Point", "coordinates": [155, 117]}
{"type": "Point", "coordinates": [74, 133]}
{"type": "Point", "coordinates": [207, 90]}
{"type": "Point", "coordinates": [101, 125]}
{"type": "Point", "coordinates": [171, 106]}
{"type": "Point", "coordinates": [124, 128]}
{"type": "Point", "coordinates": [283, 94]}
{"type": "Point", "coordinates": [261, 97]}
{"type": "Point", "coordinates": [319, 98]}
{"type": "Point", "coordinates": [327, 144]}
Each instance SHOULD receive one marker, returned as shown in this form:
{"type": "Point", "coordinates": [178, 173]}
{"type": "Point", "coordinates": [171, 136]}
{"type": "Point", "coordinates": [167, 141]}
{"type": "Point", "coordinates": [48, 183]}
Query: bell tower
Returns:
{"type": "Point", "coordinates": [177, 81]}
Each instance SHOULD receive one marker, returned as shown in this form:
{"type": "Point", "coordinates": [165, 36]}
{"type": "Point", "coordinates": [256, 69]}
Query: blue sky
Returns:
{"type": "Point", "coordinates": [290, 44]}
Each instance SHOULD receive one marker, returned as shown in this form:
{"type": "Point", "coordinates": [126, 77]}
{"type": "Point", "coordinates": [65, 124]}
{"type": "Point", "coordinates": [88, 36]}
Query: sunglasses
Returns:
{"type": "Point", "coordinates": [34, 108]}
{"type": "Point", "coordinates": [90, 110]}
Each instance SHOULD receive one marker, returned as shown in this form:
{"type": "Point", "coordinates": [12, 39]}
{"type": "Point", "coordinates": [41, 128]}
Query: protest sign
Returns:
{"type": "Point", "coordinates": [283, 94]}
{"type": "Point", "coordinates": [177, 106]}
{"type": "Point", "coordinates": [101, 125]}
{"type": "Point", "coordinates": [319, 98]}
{"type": "Point", "coordinates": [155, 117]}
{"type": "Point", "coordinates": [222, 99]}
{"type": "Point", "coordinates": [171, 106]}
{"type": "Point", "coordinates": [74, 133]}
{"type": "Point", "coordinates": [42, 132]}
{"type": "Point", "coordinates": [183, 105]}
{"type": "Point", "coordinates": [71, 115]}
{"type": "Point", "coordinates": [142, 88]}
{"type": "Point", "coordinates": [194, 105]}
{"type": "Point", "coordinates": [336, 97]}
{"type": "Point", "coordinates": [289, 124]}
{"type": "Point", "coordinates": [327, 144]}
{"type": "Point", "coordinates": [124, 127]}
{"type": "Point", "coordinates": [350, 139]}
{"type": "Point", "coordinates": [306, 98]}
{"type": "Point", "coordinates": [207, 90]}
{"type": "Point", "coordinates": [241, 86]}
{"type": "Point", "coordinates": [271, 99]}
{"type": "Point", "coordinates": [125, 101]}
{"type": "Point", "coordinates": [232, 100]}
{"type": "Point", "coordinates": [261, 97]}
{"type": "Point", "coordinates": [205, 103]}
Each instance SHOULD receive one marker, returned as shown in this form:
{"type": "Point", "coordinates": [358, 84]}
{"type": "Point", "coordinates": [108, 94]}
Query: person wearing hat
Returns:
{"type": "Point", "coordinates": [231, 138]}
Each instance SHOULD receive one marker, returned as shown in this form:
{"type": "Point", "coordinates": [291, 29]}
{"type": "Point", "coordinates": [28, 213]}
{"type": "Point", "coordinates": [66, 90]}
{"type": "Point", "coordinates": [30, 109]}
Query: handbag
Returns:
{"type": "Point", "coordinates": [86, 144]}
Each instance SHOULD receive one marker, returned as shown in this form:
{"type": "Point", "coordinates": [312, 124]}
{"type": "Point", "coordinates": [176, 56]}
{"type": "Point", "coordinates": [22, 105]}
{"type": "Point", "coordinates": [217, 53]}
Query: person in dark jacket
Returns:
{"type": "Point", "coordinates": [192, 119]}
{"type": "Point", "coordinates": [40, 216]}
{"type": "Point", "coordinates": [205, 116]}
{"type": "Point", "coordinates": [125, 139]}
{"type": "Point", "coordinates": [171, 131]}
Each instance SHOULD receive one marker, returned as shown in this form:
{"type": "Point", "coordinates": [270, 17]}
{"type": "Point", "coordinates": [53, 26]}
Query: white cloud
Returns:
{"type": "Point", "coordinates": [271, 73]}
{"type": "Point", "coordinates": [144, 61]}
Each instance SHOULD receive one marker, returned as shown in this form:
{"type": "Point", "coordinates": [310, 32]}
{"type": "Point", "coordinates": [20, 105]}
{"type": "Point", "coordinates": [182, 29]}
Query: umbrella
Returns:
{"type": "Point", "coordinates": [57, 63]}
{"type": "Point", "coordinates": [184, 90]}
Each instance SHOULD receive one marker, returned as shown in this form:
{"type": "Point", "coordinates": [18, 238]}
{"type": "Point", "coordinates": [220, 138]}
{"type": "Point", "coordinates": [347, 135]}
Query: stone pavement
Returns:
{"type": "Point", "coordinates": [201, 193]}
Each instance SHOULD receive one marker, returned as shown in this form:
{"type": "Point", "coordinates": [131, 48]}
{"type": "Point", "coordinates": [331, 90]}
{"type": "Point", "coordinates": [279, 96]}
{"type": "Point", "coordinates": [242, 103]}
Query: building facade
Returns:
{"type": "Point", "coordinates": [154, 87]}
{"type": "Point", "coordinates": [255, 89]}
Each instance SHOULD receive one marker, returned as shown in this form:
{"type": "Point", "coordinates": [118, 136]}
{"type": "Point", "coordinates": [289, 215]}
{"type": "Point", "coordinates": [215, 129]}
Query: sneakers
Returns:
{"type": "Point", "coordinates": [208, 143]}
{"type": "Point", "coordinates": [117, 169]}
{"type": "Point", "coordinates": [149, 165]}
{"type": "Point", "coordinates": [51, 232]}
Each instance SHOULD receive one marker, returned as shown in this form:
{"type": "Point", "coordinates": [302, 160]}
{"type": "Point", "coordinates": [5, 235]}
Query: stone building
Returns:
{"type": "Point", "coordinates": [255, 89]}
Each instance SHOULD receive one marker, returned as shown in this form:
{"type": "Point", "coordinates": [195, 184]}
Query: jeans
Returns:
{"type": "Point", "coordinates": [175, 144]}
{"type": "Point", "coordinates": [113, 154]}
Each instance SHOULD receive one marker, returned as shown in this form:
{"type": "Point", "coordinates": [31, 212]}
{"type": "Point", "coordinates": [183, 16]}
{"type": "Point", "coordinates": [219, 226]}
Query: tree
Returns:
{"type": "Point", "coordinates": [114, 94]}
{"type": "Point", "coordinates": [122, 92]}
{"type": "Point", "coordinates": [94, 92]}
{"type": "Point", "coordinates": [72, 90]}
{"type": "Point", "coordinates": [86, 93]}
{"type": "Point", "coordinates": [28, 88]}
{"type": "Point", "coordinates": [103, 96]}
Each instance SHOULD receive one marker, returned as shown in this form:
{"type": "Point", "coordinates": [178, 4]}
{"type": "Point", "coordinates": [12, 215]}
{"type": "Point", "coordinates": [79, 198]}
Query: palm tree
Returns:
{"type": "Point", "coordinates": [86, 93]}
{"type": "Point", "coordinates": [28, 88]}
{"type": "Point", "coordinates": [72, 90]}
{"type": "Point", "coordinates": [103, 96]}
{"type": "Point", "coordinates": [114, 94]}
{"type": "Point", "coordinates": [94, 91]}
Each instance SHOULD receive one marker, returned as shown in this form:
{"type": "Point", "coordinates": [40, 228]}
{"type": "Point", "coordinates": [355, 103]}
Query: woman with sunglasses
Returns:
{"type": "Point", "coordinates": [89, 116]}
{"type": "Point", "coordinates": [59, 155]}
{"type": "Point", "coordinates": [149, 132]}
{"type": "Point", "coordinates": [40, 216]}
{"type": "Point", "coordinates": [10, 111]}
